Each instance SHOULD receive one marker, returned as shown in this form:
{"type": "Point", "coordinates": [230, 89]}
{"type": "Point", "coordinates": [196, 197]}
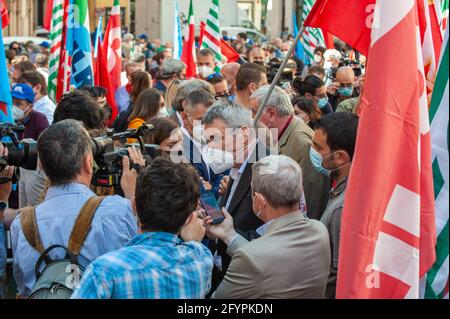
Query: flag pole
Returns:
{"type": "Point", "coordinates": [277, 77]}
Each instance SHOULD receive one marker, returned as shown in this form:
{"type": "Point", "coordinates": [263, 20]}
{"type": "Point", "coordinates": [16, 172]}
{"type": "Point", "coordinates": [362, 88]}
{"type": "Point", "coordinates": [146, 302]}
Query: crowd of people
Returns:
{"type": "Point", "coordinates": [280, 185]}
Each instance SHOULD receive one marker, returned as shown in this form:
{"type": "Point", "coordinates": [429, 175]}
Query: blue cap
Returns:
{"type": "Point", "coordinates": [226, 38]}
{"type": "Point", "coordinates": [143, 36]}
{"type": "Point", "coordinates": [23, 92]}
{"type": "Point", "coordinates": [45, 44]}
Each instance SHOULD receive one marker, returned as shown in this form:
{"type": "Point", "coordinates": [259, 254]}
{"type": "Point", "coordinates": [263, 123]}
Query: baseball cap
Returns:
{"type": "Point", "coordinates": [161, 49]}
{"type": "Point", "coordinates": [23, 92]}
{"type": "Point", "coordinates": [44, 44]}
{"type": "Point", "coordinates": [143, 36]}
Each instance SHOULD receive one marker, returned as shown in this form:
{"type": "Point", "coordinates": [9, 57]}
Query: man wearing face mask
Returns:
{"type": "Point", "coordinates": [206, 63]}
{"type": "Point", "coordinates": [232, 144]}
{"type": "Point", "coordinates": [250, 77]}
{"type": "Point", "coordinates": [332, 154]}
{"type": "Point", "coordinates": [34, 122]}
{"type": "Point", "coordinates": [291, 258]}
{"type": "Point", "coordinates": [294, 138]}
{"type": "Point", "coordinates": [343, 88]}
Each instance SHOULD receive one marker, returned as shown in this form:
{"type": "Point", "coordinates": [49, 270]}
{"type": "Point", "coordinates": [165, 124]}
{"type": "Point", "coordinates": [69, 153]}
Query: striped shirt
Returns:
{"type": "Point", "coordinates": [113, 225]}
{"type": "Point", "coordinates": [153, 266]}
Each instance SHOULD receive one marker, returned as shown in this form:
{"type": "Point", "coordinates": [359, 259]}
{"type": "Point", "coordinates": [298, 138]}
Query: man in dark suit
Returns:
{"type": "Point", "coordinates": [229, 131]}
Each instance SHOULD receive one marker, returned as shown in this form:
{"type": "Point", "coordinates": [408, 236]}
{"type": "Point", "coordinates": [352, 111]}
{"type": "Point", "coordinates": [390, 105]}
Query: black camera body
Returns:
{"type": "Point", "coordinates": [20, 153]}
{"type": "Point", "coordinates": [354, 64]}
{"type": "Point", "coordinates": [109, 158]}
{"type": "Point", "coordinates": [287, 76]}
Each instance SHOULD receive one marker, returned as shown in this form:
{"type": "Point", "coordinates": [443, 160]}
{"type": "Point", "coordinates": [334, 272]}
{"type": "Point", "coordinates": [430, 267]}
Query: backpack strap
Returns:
{"type": "Point", "coordinates": [82, 224]}
{"type": "Point", "coordinates": [30, 228]}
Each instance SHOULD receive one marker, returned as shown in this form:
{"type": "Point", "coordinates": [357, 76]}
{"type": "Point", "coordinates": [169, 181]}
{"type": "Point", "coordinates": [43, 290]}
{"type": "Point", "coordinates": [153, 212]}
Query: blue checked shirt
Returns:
{"type": "Point", "coordinates": [152, 266]}
{"type": "Point", "coordinates": [113, 225]}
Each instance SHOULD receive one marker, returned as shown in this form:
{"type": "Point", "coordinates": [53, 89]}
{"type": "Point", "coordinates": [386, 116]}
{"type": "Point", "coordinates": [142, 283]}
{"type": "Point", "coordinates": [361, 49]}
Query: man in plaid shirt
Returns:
{"type": "Point", "coordinates": [167, 259]}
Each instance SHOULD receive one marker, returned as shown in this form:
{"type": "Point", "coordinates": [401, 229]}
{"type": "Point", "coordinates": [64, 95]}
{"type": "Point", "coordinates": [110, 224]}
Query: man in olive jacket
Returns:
{"type": "Point", "coordinates": [294, 139]}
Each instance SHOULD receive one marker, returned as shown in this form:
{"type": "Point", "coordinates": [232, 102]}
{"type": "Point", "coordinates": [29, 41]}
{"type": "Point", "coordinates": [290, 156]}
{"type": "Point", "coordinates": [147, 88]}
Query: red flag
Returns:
{"type": "Point", "coordinates": [112, 47]}
{"type": "Point", "coordinates": [329, 40]}
{"type": "Point", "coordinates": [349, 20]}
{"type": "Point", "coordinates": [227, 50]}
{"type": "Point", "coordinates": [4, 14]}
{"type": "Point", "coordinates": [102, 78]}
{"type": "Point", "coordinates": [48, 15]}
{"type": "Point", "coordinates": [388, 227]}
{"type": "Point", "coordinates": [188, 54]}
{"type": "Point", "coordinates": [65, 61]}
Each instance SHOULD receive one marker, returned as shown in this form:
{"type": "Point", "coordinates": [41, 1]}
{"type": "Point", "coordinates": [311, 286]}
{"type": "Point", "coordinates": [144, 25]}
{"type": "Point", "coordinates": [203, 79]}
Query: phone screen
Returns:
{"type": "Point", "coordinates": [211, 207]}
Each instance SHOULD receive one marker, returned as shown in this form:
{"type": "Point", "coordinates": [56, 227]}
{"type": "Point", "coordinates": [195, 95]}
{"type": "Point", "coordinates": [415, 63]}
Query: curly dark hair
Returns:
{"type": "Point", "coordinates": [166, 194]}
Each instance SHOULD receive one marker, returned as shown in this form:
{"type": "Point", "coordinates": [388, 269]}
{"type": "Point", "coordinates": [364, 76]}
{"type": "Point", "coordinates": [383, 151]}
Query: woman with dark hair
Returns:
{"type": "Point", "coordinates": [147, 106]}
{"type": "Point", "coordinates": [166, 134]}
{"type": "Point", "coordinates": [99, 94]}
{"type": "Point", "coordinates": [140, 81]}
{"type": "Point", "coordinates": [315, 90]}
{"type": "Point", "coordinates": [304, 109]}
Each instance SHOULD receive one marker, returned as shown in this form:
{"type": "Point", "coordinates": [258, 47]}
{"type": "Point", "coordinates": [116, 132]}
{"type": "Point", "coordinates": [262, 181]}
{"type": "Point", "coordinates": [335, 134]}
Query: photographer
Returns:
{"type": "Point", "coordinates": [65, 153]}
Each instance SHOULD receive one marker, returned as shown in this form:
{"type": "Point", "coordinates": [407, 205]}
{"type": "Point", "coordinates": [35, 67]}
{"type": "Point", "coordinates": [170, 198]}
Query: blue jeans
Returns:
{"type": "Point", "coordinates": [3, 284]}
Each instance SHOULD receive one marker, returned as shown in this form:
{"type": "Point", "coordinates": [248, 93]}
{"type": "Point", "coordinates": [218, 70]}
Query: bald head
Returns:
{"type": "Point", "coordinates": [345, 75]}
{"type": "Point", "coordinates": [229, 72]}
{"type": "Point", "coordinates": [256, 55]}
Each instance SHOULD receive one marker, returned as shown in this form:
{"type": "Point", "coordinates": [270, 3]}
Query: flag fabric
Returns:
{"type": "Point", "coordinates": [444, 15]}
{"type": "Point", "coordinates": [188, 55]}
{"type": "Point", "coordinates": [329, 40]}
{"type": "Point", "coordinates": [212, 36]}
{"type": "Point", "coordinates": [431, 38]}
{"type": "Point", "coordinates": [4, 14]}
{"type": "Point", "coordinates": [437, 278]}
{"type": "Point", "coordinates": [57, 50]}
{"type": "Point", "coordinates": [101, 73]}
{"type": "Point", "coordinates": [5, 89]}
{"type": "Point", "coordinates": [98, 39]}
{"type": "Point", "coordinates": [112, 46]}
{"type": "Point", "coordinates": [177, 39]}
{"type": "Point", "coordinates": [227, 50]}
{"type": "Point", "coordinates": [299, 50]}
{"type": "Point", "coordinates": [349, 20]}
{"type": "Point", "coordinates": [388, 222]}
{"type": "Point", "coordinates": [312, 37]}
{"type": "Point", "coordinates": [79, 44]}
{"type": "Point", "coordinates": [48, 15]}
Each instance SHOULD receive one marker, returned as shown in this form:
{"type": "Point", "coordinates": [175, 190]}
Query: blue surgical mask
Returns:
{"type": "Point", "coordinates": [322, 102]}
{"type": "Point", "coordinates": [317, 160]}
{"type": "Point", "coordinates": [347, 91]}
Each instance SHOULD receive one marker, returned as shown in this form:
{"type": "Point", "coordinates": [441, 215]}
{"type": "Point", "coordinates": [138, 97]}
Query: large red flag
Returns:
{"type": "Point", "coordinates": [112, 47]}
{"type": "Point", "coordinates": [349, 20]}
{"type": "Point", "coordinates": [103, 79]}
{"type": "Point", "coordinates": [388, 227]}
{"type": "Point", "coordinates": [188, 54]}
{"type": "Point", "coordinates": [4, 14]}
{"type": "Point", "coordinates": [48, 15]}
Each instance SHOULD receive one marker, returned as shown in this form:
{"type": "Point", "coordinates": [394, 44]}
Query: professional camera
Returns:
{"type": "Point", "coordinates": [109, 158]}
{"type": "Point", "coordinates": [355, 65]}
{"type": "Point", "coordinates": [288, 72]}
{"type": "Point", "coordinates": [20, 153]}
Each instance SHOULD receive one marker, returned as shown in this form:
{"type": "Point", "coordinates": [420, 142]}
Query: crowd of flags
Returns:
{"type": "Point", "coordinates": [394, 235]}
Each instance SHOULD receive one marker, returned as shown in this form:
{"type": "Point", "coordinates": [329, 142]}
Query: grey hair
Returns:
{"type": "Point", "coordinates": [62, 149]}
{"type": "Point", "coordinates": [279, 99]}
{"type": "Point", "coordinates": [234, 115]}
{"type": "Point", "coordinates": [172, 66]}
{"type": "Point", "coordinates": [279, 179]}
{"type": "Point", "coordinates": [186, 88]}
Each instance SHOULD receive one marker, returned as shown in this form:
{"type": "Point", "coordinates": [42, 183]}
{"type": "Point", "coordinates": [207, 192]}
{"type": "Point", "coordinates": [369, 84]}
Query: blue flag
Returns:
{"type": "Point", "coordinates": [177, 38]}
{"type": "Point", "coordinates": [79, 44]}
{"type": "Point", "coordinates": [5, 90]}
{"type": "Point", "coordinates": [299, 50]}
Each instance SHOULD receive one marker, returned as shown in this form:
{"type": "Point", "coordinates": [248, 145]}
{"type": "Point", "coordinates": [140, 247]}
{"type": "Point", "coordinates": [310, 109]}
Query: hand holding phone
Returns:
{"type": "Point", "coordinates": [211, 207]}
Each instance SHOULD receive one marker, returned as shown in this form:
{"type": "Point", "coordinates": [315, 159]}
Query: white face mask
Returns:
{"type": "Point", "coordinates": [18, 114]}
{"type": "Point", "coordinates": [204, 71]}
{"type": "Point", "coordinates": [218, 159]}
{"type": "Point", "coordinates": [163, 112]}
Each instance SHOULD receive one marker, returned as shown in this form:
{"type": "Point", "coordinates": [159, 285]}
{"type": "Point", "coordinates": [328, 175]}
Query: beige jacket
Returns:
{"type": "Point", "coordinates": [291, 260]}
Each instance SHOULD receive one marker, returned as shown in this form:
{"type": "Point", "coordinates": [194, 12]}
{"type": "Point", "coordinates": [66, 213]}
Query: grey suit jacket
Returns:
{"type": "Point", "coordinates": [290, 261]}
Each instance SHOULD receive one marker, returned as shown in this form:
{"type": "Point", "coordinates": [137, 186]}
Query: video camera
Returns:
{"type": "Point", "coordinates": [288, 73]}
{"type": "Point", "coordinates": [20, 153]}
{"type": "Point", "coordinates": [354, 64]}
{"type": "Point", "coordinates": [109, 158]}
